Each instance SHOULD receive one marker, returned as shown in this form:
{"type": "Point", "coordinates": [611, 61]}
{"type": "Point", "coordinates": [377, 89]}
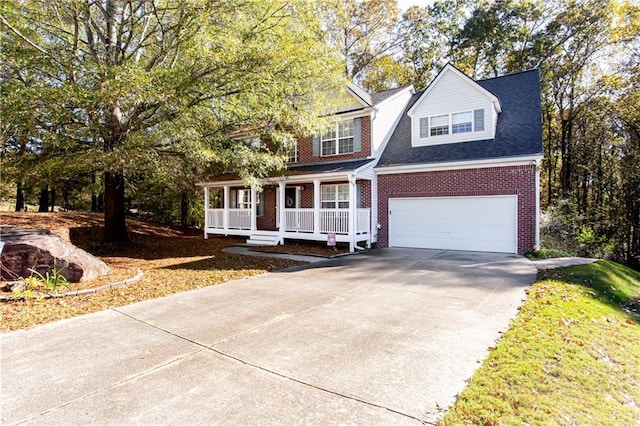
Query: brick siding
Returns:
{"type": "Point", "coordinates": [512, 180]}
{"type": "Point", "coordinates": [305, 148]}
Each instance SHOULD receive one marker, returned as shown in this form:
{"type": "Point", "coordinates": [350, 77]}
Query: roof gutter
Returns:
{"type": "Point", "coordinates": [457, 165]}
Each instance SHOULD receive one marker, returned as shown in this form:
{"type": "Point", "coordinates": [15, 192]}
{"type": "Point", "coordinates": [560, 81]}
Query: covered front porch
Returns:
{"type": "Point", "coordinates": [293, 207]}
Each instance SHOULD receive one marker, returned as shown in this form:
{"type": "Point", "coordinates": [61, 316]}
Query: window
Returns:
{"type": "Point", "coordinates": [439, 125]}
{"type": "Point", "coordinates": [338, 140]}
{"type": "Point", "coordinates": [334, 196]}
{"type": "Point", "coordinates": [241, 199]}
{"type": "Point", "coordinates": [291, 152]}
{"type": "Point", "coordinates": [461, 122]}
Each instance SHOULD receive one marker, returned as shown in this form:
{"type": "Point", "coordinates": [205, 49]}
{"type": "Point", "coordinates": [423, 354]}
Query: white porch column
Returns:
{"type": "Point", "coordinates": [316, 206]}
{"type": "Point", "coordinates": [225, 204]}
{"type": "Point", "coordinates": [254, 215]}
{"type": "Point", "coordinates": [352, 213]}
{"type": "Point", "coordinates": [206, 211]}
{"type": "Point", "coordinates": [281, 206]}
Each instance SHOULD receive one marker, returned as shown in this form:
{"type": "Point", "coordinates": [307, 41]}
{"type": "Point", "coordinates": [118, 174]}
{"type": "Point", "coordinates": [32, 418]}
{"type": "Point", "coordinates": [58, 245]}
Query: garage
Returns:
{"type": "Point", "coordinates": [454, 223]}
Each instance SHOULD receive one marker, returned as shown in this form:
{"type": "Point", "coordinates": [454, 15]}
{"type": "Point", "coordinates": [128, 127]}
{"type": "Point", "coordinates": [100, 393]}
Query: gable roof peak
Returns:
{"type": "Point", "coordinates": [450, 68]}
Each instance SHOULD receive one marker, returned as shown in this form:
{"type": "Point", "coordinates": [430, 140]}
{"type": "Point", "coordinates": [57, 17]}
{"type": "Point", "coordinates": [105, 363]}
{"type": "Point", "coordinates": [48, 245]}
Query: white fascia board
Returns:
{"type": "Point", "coordinates": [358, 113]}
{"type": "Point", "coordinates": [289, 179]}
{"type": "Point", "coordinates": [451, 68]}
{"type": "Point", "coordinates": [362, 96]}
{"type": "Point", "coordinates": [458, 165]}
{"type": "Point", "coordinates": [410, 88]}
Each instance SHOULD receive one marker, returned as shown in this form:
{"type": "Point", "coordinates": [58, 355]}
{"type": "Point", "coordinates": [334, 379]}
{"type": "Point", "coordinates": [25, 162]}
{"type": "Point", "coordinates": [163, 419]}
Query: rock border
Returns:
{"type": "Point", "coordinates": [135, 278]}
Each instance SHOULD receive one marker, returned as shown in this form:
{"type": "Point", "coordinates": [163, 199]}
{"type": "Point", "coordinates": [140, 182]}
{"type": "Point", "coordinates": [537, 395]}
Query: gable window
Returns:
{"type": "Point", "coordinates": [439, 125]}
{"type": "Point", "coordinates": [338, 140]}
{"type": "Point", "coordinates": [461, 122]}
{"type": "Point", "coordinates": [334, 196]}
{"type": "Point", "coordinates": [445, 124]}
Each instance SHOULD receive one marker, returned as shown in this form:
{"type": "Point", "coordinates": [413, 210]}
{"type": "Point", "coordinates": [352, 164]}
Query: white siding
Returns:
{"type": "Point", "coordinates": [386, 118]}
{"type": "Point", "coordinates": [453, 94]}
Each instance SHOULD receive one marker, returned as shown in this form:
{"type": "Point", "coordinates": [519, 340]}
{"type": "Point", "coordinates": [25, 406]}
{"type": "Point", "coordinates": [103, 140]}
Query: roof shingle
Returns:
{"type": "Point", "coordinates": [518, 132]}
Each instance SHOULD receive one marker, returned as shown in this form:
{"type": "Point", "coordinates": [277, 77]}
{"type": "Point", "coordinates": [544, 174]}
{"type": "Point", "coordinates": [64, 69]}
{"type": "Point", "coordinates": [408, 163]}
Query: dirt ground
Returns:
{"type": "Point", "coordinates": [172, 260]}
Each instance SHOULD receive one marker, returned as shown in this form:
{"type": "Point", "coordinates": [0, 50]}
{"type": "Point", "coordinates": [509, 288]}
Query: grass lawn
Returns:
{"type": "Point", "coordinates": [171, 259]}
{"type": "Point", "coordinates": [571, 356]}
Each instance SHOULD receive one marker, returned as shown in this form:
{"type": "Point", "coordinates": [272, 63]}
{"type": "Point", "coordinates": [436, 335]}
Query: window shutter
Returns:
{"type": "Point", "coordinates": [358, 195]}
{"type": "Point", "coordinates": [234, 199]}
{"type": "Point", "coordinates": [424, 127]}
{"type": "Point", "coordinates": [316, 145]}
{"type": "Point", "coordinates": [478, 120]}
{"type": "Point", "coordinates": [357, 135]}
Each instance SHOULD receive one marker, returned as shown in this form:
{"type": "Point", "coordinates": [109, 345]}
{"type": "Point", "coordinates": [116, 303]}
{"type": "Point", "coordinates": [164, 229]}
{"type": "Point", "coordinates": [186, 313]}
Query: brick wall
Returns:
{"type": "Point", "coordinates": [513, 180]}
{"type": "Point", "coordinates": [305, 147]}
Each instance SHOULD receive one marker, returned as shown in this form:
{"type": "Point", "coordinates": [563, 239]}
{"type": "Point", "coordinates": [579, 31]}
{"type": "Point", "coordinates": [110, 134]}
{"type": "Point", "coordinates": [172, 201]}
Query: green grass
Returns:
{"type": "Point", "coordinates": [546, 253]}
{"type": "Point", "coordinates": [571, 356]}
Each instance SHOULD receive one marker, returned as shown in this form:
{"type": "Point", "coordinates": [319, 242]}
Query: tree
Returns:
{"type": "Point", "coordinates": [126, 85]}
{"type": "Point", "coordinates": [362, 31]}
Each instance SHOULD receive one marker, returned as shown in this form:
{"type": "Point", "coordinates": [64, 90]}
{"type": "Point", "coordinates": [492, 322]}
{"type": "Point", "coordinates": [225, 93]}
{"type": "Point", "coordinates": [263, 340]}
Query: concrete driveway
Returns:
{"type": "Point", "coordinates": [389, 336]}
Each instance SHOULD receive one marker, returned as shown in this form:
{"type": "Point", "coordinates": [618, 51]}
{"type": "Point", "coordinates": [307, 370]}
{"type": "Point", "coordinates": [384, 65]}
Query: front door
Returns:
{"type": "Point", "coordinates": [291, 200]}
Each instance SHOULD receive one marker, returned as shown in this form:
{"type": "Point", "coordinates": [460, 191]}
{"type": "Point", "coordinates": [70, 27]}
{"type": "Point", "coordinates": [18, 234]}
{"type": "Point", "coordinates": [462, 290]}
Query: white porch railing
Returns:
{"type": "Point", "coordinates": [334, 221]}
{"type": "Point", "coordinates": [240, 218]}
{"type": "Point", "coordinates": [215, 218]}
{"type": "Point", "coordinates": [363, 221]}
{"type": "Point", "coordinates": [298, 220]}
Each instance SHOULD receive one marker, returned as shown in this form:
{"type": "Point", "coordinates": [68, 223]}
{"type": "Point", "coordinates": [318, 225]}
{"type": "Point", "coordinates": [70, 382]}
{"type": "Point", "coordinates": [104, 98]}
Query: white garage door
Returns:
{"type": "Point", "coordinates": [455, 223]}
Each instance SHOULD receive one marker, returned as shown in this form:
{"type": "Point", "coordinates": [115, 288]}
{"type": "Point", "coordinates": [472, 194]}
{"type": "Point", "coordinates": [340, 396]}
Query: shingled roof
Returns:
{"type": "Point", "coordinates": [518, 132]}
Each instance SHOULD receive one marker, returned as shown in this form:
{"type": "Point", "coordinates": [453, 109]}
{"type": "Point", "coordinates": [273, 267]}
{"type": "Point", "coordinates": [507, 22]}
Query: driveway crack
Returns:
{"type": "Point", "coordinates": [268, 370]}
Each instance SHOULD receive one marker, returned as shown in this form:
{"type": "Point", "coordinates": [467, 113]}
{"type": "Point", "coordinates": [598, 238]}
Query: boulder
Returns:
{"type": "Point", "coordinates": [39, 249]}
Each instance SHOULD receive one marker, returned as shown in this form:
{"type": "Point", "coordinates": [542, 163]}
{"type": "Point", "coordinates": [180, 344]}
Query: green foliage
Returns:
{"type": "Point", "coordinates": [569, 357]}
{"type": "Point", "coordinates": [39, 283]}
{"type": "Point", "coordinates": [546, 253]}
{"type": "Point", "coordinates": [142, 89]}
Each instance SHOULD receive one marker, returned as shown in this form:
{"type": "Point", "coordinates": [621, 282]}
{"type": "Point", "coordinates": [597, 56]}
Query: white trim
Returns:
{"type": "Point", "coordinates": [451, 68]}
{"type": "Point", "coordinates": [412, 91]}
{"type": "Point", "coordinates": [537, 244]}
{"type": "Point", "coordinates": [458, 165]}
{"type": "Point", "coordinates": [362, 96]}
{"type": "Point", "coordinates": [366, 112]}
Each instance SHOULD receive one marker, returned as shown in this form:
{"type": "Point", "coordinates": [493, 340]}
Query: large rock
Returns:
{"type": "Point", "coordinates": [43, 251]}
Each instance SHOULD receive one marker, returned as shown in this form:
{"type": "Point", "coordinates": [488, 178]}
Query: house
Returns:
{"type": "Point", "coordinates": [453, 167]}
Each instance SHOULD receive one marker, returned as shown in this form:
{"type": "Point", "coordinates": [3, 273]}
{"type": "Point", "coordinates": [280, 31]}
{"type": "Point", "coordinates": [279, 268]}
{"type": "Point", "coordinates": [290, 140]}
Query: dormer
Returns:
{"type": "Point", "coordinates": [453, 109]}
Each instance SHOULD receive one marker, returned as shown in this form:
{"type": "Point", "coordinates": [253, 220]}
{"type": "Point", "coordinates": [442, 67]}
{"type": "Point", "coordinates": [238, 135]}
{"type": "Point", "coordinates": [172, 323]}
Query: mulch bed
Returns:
{"type": "Point", "coordinates": [310, 248]}
{"type": "Point", "coordinates": [171, 260]}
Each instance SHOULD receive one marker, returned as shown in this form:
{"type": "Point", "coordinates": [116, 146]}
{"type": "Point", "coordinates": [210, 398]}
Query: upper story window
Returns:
{"type": "Point", "coordinates": [338, 140]}
{"type": "Point", "coordinates": [445, 124]}
{"type": "Point", "coordinates": [291, 152]}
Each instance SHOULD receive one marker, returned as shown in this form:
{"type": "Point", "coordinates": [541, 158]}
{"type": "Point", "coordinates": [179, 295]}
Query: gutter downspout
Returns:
{"type": "Point", "coordinates": [537, 246]}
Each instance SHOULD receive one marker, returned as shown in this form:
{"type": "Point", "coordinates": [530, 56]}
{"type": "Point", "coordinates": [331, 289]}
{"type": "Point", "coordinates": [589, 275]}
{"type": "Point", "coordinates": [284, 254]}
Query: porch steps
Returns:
{"type": "Point", "coordinates": [264, 239]}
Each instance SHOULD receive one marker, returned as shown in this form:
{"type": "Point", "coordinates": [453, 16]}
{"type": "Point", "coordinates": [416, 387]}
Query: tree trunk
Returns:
{"type": "Point", "coordinates": [19, 196]}
{"type": "Point", "coordinates": [184, 209]}
{"type": "Point", "coordinates": [53, 199]}
{"type": "Point", "coordinates": [43, 202]}
{"type": "Point", "coordinates": [115, 228]}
